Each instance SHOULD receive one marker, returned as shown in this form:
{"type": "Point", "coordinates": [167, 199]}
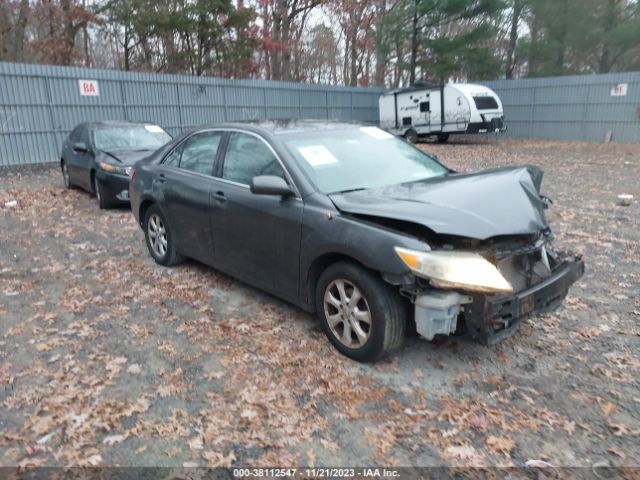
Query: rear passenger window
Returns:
{"type": "Point", "coordinates": [247, 157]}
{"type": "Point", "coordinates": [197, 154]}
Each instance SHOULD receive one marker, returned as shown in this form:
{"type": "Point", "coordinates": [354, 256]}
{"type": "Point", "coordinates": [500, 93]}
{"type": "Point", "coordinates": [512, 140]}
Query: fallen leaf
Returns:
{"type": "Point", "coordinates": [500, 444]}
{"type": "Point", "coordinates": [616, 452]}
{"type": "Point", "coordinates": [329, 445]}
{"type": "Point", "coordinates": [195, 443]}
{"type": "Point", "coordinates": [134, 368]}
{"type": "Point", "coordinates": [217, 459]}
{"type": "Point", "coordinates": [249, 414]}
{"type": "Point", "coordinates": [608, 408]}
{"type": "Point", "coordinates": [312, 458]}
{"type": "Point", "coordinates": [113, 439]}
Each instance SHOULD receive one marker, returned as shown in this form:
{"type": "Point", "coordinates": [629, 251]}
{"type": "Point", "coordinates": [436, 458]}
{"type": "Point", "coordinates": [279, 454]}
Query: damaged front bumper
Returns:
{"type": "Point", "coordinates": [491, 318]}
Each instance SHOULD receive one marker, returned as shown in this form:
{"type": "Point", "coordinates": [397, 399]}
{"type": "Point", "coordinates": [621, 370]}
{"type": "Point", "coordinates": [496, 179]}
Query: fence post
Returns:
{"type": "Point", "coordinates": [351, 98]}
{"type": "Point", "coordinates": [179, 107]}
{"type": "Point", "coordinates": [326, 102]}
{"type": "Point", "coordinates": [224, 104]}
{"type": "Point", "coordinates": [264, 102]}
{"type": "Point", "coordinates": [531, 109]}
{"type": "Point", "coordinates": [125, 111]}
{"type": "Point", "coordinates": [51, 118]}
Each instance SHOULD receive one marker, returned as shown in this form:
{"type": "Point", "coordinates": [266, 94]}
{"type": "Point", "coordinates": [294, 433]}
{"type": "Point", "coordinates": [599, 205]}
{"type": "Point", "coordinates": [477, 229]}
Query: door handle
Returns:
{"type": "Point", "coordinates": [219, 196]}
{"type": "Point", "coordinates": [162, 178]}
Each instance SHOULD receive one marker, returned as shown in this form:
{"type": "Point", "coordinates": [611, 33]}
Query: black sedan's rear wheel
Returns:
{"type": "Point", "coordinates": [362, 316]}
{"type": "Point", "coordinates": [159, 238]}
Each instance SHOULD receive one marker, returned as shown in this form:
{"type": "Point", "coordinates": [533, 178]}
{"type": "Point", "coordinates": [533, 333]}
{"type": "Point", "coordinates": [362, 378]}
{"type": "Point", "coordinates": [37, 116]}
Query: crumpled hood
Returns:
{"type": "Point", "coordinates": [501, 201]}
{"type": "Point", "coordinates": [127, 157]}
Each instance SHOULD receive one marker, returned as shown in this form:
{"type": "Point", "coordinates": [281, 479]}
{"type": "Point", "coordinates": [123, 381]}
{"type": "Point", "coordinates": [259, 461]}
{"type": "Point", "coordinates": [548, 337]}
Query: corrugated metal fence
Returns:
{"type": "Point", "coordinates": [40, 104]}
{"type": "Point", "coordinates": [581, 107]}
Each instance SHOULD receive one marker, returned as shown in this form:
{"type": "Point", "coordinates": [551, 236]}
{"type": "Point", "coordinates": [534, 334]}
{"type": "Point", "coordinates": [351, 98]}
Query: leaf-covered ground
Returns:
{"type": "Point", "coordinates": [109, 359]}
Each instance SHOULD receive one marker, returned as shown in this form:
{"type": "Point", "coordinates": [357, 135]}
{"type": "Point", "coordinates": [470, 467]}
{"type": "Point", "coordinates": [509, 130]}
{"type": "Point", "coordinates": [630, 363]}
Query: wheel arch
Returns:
{"type": "Point", "coordinates": [92, 176]}
{"type": "Point", "coordinates": [319, 265]}
{"type": "Point", "coordinates": [144, 207]}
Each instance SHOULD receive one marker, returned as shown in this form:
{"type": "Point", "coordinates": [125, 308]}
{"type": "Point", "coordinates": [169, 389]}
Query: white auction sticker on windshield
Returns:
{"type": "Point", "coordinates": [153, 128]}
{"type": "Point", "coordinates": [376, 133]}
{"type": "Point", "coordinates": [317, 155]}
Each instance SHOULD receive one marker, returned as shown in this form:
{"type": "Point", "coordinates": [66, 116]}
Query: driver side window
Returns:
{"type": "Point", "coordinates": [246, 157]}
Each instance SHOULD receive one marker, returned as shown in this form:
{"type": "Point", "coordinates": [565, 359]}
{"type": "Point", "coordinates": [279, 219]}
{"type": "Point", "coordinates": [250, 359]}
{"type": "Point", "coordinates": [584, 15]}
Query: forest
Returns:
{"type": "Point", "coordinates": [343, 42]}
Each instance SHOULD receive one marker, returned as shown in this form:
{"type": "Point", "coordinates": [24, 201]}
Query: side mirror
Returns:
{"type": "Point", "coordinates": [80, 147]}
{"type": "Point", "coordinates": [270, 185]}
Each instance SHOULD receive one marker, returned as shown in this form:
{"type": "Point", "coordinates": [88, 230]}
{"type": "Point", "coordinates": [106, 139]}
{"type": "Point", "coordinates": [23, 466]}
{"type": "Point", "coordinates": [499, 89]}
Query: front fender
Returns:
{"type": "Point", "coordinates": [328, 233]}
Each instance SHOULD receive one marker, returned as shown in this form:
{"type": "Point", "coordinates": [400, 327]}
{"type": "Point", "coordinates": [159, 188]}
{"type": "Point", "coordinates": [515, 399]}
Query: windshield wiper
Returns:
{"type": "Point", "coordinates": [349, 190]}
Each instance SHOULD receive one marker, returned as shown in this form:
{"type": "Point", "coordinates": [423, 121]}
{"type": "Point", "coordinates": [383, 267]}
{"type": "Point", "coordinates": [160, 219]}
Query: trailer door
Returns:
{"type": "Point", "coordinates": [435, 110]}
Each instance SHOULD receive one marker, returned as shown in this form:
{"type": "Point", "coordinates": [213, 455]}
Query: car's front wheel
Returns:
{"type": "Point", "coordinates": [66, 179]}
{"type": "Point", "coordinates": [103, 201]}
{"type": "Point", "coordinates": [159, 238]}
{"type": "Point", "coordinates": [363, 317]}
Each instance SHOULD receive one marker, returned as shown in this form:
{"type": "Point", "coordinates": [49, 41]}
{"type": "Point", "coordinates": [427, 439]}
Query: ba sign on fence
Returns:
{"type": "Point", "coordinates": [619, 90]}
{"type": "Point", "coordinates": [89, 88]}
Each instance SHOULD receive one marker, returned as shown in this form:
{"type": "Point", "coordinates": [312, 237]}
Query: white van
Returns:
{"type": "Point", "coordinates": [435, 110]}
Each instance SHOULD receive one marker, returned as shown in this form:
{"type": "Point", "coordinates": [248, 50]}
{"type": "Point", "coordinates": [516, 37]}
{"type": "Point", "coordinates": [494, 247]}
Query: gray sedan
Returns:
{"type": "Point", "coordinates": [360, 227]}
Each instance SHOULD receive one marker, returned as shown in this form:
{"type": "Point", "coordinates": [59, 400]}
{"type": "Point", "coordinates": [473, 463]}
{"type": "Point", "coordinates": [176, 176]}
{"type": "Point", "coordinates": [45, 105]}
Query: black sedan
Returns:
{"type": "Point", "coordinates": [97, 156]}
{"type": "Point", "coordinates": [362, 228]}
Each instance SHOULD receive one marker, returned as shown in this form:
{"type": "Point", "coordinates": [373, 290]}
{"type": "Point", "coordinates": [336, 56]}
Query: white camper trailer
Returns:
{"type": "Point", "coordinates": [429, 109]}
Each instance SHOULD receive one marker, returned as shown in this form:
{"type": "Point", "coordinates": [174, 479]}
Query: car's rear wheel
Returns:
{"type": "Point", "coordinates": [363, 317]}
{"type": "Point", "coordinates": [159, 238]}
{"type": "Point", "coordinates": [66, 179]}
{"type": "Point", "coordinates": [443, 137]}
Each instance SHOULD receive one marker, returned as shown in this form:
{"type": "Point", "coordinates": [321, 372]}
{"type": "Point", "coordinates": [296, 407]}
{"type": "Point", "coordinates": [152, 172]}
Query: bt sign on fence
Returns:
{"type": "Point", "coordinates": [89, 88]}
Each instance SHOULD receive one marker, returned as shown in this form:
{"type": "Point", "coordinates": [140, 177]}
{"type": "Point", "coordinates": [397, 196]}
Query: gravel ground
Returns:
{"type": "Point", "coordinates": [109, 359]}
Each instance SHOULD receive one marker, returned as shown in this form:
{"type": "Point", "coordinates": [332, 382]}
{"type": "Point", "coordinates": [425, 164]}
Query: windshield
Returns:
{"type": "Point", "coordinates": [134, 137]}
{"type": "Point", "coordinates": [485, 103]}
{"type": "Point", "coordinates": [359, 158]}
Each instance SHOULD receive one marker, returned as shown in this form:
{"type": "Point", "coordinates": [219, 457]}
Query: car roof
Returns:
{"type": "Point", "coordinates": [283, 126]}
{"type": "Point", "coordinates": [115, 123]}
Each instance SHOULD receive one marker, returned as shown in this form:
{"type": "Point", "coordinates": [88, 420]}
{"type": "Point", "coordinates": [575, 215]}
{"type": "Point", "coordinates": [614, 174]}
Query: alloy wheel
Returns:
{"type": "Point", "coordinates": [157, 235]}
{"type": "Point", "coordinates": [347, 313]}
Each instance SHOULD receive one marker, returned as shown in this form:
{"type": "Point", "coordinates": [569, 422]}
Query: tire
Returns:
{"type": "Point", "coordinates": [66, 179]}
{"type": "Point", "coordinates": [103, 202]}
{"type": "Point", "coordinates": [443, 137]}
{"type": "Point", "coordinates": [156, 227]}
{"type": "Point", "coordinates": [411, 136]}
{"type": "Point", "coordinates": [345, 325]}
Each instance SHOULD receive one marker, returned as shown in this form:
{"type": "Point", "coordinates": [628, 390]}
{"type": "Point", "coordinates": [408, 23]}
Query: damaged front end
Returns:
{"type": "Point", "coordinates": [538, 277]}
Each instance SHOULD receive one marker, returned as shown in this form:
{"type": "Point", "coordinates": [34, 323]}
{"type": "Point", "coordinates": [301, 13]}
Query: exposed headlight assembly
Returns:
{"type": "Point", "coordinates": [118, 169]}
{"type": "Point", "coordinates": [454, 269]}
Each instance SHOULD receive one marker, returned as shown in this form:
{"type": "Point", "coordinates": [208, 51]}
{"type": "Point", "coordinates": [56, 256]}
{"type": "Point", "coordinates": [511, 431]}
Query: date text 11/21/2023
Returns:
{"type": "Point", "coordinates": [315, 472]}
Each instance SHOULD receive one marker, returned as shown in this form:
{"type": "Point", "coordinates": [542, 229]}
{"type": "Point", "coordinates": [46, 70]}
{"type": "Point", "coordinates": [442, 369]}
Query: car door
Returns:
{"type": "Point", "coordinates": [256, 237]}
{"type": "Point", "coordinates": [79, 162]}
{"type": "Point", "coordinates": [185, 179]}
